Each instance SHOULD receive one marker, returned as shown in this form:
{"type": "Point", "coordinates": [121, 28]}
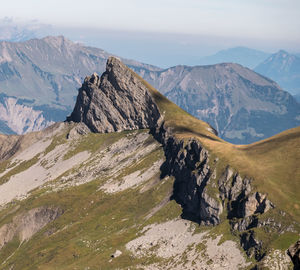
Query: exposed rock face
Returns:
{"type": "Point", "coordinates": [241, 204]}
{"type": "Point", "coordinates": [25, 225]}
{"type": "Point", "coordinates": [189, 164]}
{"type": "Point", "coordinates": [117, 101]}
{"type": "Point", "coordinates": [204, 198]}
{"type": "Point", "coordinates": [294, 253]}
{"type": "Point", "coordinates": [20, 119]}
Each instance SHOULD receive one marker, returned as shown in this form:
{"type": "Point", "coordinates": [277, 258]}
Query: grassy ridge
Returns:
{"type": "Point", "coordinates": [272, 163]}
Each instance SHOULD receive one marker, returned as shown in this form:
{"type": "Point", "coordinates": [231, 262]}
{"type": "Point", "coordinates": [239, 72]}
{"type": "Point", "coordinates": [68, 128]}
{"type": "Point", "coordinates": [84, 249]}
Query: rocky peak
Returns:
{"type": "Point", "coordinates": [116, 101]}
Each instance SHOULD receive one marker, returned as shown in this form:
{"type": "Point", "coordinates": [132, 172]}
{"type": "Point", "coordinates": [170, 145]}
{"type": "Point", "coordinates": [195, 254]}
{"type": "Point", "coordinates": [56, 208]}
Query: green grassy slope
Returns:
{"type": "Point", "coordinates": [94, 223]}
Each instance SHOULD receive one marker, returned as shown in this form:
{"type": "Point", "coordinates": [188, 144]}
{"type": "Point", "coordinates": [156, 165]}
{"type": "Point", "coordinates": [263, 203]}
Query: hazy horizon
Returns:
{"type": "Point", "coordinates": [165, 32]}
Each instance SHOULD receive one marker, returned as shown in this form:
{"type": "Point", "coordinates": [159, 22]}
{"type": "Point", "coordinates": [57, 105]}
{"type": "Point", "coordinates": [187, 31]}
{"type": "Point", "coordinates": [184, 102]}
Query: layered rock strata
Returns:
{"type": "Point", "coordinates": [116, 101]}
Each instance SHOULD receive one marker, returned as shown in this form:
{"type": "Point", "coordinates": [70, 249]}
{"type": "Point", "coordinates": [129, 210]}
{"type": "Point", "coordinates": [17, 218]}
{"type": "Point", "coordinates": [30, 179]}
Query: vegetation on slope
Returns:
{"type": "Point", "coordinates": [272, 163]}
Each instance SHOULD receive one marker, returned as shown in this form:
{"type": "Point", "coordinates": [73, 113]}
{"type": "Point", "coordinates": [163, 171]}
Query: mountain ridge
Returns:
{"type": "Point", "coordinates": [112, 192]}
{"type": "Point", "coordinates": [240, 104]}
{"type": "Point", "coordinates": [284, 68]}
{"type": "Point", "coordinates": [55, 70]}
{"type": "Point", "coordinates": [46, 73]}
{"type": "Point", "coordinates": [241, 55]}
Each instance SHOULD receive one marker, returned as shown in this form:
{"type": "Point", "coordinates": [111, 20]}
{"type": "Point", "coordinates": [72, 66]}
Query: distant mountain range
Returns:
{"type": "Point", "coordinates": [45, 74]}
{"type": "Point", "coordinates": [240, 104]}
{"type": "Point", "coordinates": [284, 68]}
{"type": "Point", "coordinates": [241, 55]}
{"type": "Point", "coordinates": [41, 76]}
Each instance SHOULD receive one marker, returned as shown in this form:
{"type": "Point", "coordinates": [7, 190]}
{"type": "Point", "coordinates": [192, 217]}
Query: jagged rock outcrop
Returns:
{"type": "Point", "coordinates": [189, 165]}
{"type": "Point", "coordinates": [204, 197]}
{"type": "Point", "coordinates": [116, 101]}
{"type": "Point", "coordinates": [194, 176]}
{"type": "Point", "coordinates": [294, 253]}
{"type": "Point", "coordinates": [25, 225]}
{"type": "Point", "coordinates": [242, 203]}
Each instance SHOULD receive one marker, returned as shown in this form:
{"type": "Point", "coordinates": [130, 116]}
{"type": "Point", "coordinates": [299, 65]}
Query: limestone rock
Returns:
{"type": "Point", "coordinates": [255, 203]}
{"type": "Point", "coordinates": [27, 224]}
{"type": "Point", "coordinates": [77, 131]}
{"type": "Point", "coordinates": [116, 254]}
{"type": "Point", "coordinates": [189, 164]}
{"type": "Point", "coordinates": [116, 101]}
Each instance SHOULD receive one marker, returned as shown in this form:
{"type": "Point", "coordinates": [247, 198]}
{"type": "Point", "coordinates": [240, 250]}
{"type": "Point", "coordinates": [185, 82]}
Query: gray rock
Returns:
{"type": "Point", "coordinates": [116, 101]}
{"type": "Point", "coordinates": [77, 131]}
{"type": "Point", "coordinates": [116, 254]}
{"type": "Point", "coordinates": [189, 163]}
{"type": "Point", "coordinates": [255, 203]}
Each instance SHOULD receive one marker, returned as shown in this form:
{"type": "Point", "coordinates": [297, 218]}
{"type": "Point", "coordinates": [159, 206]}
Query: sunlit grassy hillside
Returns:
{"type": "Point", "coordinates": [272, 163]}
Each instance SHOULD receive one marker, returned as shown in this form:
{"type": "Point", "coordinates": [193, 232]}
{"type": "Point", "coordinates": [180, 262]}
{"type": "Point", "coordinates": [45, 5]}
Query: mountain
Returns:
{"type": "Point", "coordinates": [143, 184]}
{"type": "Point", "coordinates": [11, 30]}
{"type": "Point", "coordinates": [42, 75]}
{"type": "Point", "coordinates": [284, 68]}
{"type": "Point", "coordinates": [241, 55]}
{"type": "Point", "coordinates": [240, 104]}
{"type": "Point", "coordinates": [297, 97]}
{"type": "Point", "coordinates": [45, 73]}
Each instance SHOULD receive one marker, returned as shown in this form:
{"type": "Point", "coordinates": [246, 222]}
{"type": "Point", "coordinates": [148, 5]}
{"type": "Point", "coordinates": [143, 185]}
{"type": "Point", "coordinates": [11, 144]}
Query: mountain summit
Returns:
{"type": "Point", "coordinates": [116, 101]}
{"type": "Point", "coordinates": [284, 68]}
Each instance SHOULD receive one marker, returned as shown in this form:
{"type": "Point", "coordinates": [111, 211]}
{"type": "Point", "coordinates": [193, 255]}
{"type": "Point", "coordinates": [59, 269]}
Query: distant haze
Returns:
{"type": "Point", "coordinates": [167, 32]}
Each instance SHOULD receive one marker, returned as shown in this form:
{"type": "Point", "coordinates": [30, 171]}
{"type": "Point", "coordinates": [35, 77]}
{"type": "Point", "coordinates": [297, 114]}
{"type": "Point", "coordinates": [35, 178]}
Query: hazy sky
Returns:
{"type": "Point", "coordinates": [174, 27]}
{"type": "Point", "coordinates": [237, 18]}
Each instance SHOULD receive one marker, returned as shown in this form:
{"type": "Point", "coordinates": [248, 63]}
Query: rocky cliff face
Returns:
{"type": "Point", "coordinates": [16, 118]}
{"type": "Point", "coordinates": [205, 192]}
{"type": "Point", "coordinates": [115, 101]}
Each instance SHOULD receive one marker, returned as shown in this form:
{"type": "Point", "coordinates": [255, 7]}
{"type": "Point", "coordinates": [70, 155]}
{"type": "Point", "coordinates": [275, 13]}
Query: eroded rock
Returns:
{"type": "Point", "coordinates": [25, 225]}
{"type": "Point", "coordinates": [116, 101]}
